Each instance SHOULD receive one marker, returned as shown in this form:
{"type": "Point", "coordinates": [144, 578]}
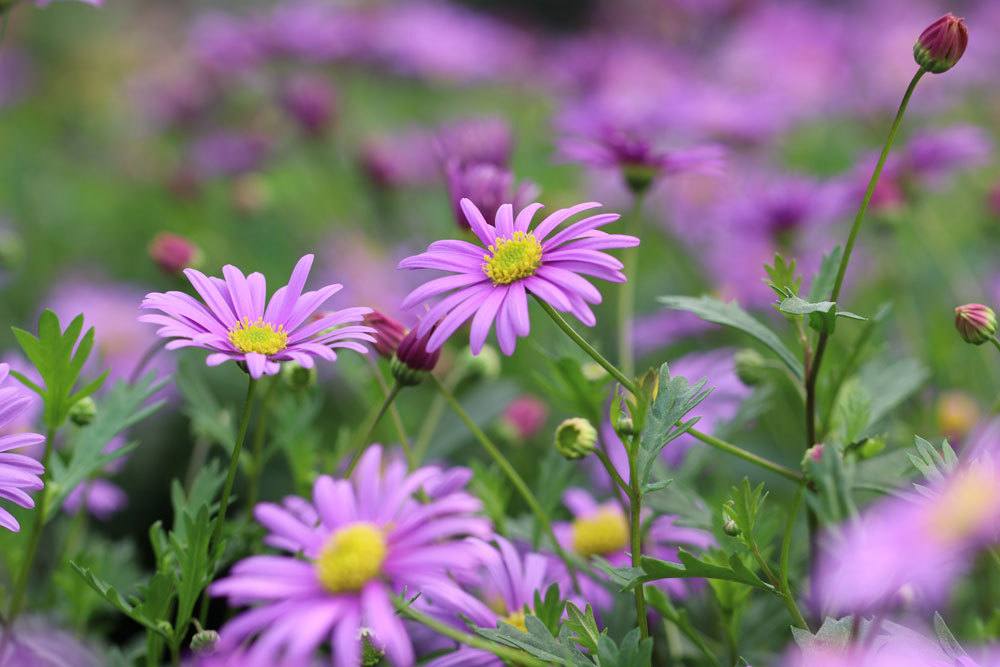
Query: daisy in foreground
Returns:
{"type": "Point", "coordinates": [17, 471]}
{"type": "Point", "coordinates": [491, 282]}
{"type": "Point", "coordinates": [365, 540]}
{"type": "Point", "coordinates": [235, 324]}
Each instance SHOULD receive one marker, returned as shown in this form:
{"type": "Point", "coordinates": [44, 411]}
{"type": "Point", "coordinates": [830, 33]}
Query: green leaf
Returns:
{"type": "Point", "coordinates": [674, 399]}
{"type": "Point", "coordinates": [659, 601]}
{"type": "Point", "coordinates": [122, 407]}
{"type": "Point", "coordinates": [539, 642]}
{"type": "Point", "coordinates": [115, 599]}
{"type": "Point", "coordinates": [632, 652]}
{"type": "Point", "coordinates": [549, 609]}
{"type": "Point", "coordinates": [833, 634]}
{"type": "Point", "coordinates": [852, 414]}
{"type": "Point", "coordinates": [583, 625]}
{"type": "Point", "coordinates": [822, 284]}
{"type": "Point", "coordinates": [744, 506]}
{"type": "Point", "coordinates": [782, 275]}
{"type": "Point", "coordinates": [890, 382]}
{"type": "Point", "coordinates": [731, 315]}
{"type": "Point", "coordinates": [933, 465]}
{"type": "Point", "coordinates": [691, 567]}
{"type": "Point", "coordinates": [193, 574]}
{"type": "Point", "coordinates": [822, 314]}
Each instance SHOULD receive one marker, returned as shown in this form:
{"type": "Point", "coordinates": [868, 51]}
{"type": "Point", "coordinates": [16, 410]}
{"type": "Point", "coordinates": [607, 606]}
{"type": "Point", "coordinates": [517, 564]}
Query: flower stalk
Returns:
{"type": "Point", "coordinates": [626, 296]}
{"type": "Point", "coordinates": [234, 463]}
{"type": "Point", "coordinates": [361, 445]}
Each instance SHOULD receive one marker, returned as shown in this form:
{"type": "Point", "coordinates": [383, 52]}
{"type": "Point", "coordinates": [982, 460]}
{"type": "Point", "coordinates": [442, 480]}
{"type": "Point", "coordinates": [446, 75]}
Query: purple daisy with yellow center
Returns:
{"type": "Point", "coordinates": [18, 473]}
{"type": "Point", "coordinates": [236, 323]}
{"type": "Point", "coordinates": [358, 543]}
{"type": "Point", "coordinates": [491, 282]}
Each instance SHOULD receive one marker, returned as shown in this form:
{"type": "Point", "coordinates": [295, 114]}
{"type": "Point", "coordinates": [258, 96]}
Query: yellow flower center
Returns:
{"type": "Point", "coordinates": [517, 620]}
{"type": "Point", "coordinates": [965, 506]}
{"type": "Point", "coordinates": [351, 558]}
{"type": "Point", "coordinates": [259, 336]}
{"type": "Point", "coordinates": [513, 259]}
{"type": "Point", "coordinates": [600, 534]}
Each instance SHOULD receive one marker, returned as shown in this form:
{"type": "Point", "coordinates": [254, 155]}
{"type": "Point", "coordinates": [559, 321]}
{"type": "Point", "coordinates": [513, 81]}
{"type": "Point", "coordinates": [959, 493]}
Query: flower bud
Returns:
{"type": "Point", "coordinates": [730, 528]}
{"type": "Point", "coordinates": [975, 322]}
{"type": "Point", "coordinates": [412, 361]}
{"type": "Point", "coordinates": [83, 411]}
{"type": "Point", "coordinates": [575, 438]}
{"type": "Point", "coordinates": [204, 641]}
{"type": "Point", "coordinates": [624, 426]}
{"type": "Point", "coordinates": [311, 101]}
{"type": "Point", "coordinates": [750, 366]}
{"type": "Point", "coordinates": [485, 365]}
{"type": "Point", "coordinates": [297, 376]}
{"type": "Point", "coordinates": [813, 455]}
{"type": "Point", "coordinates": [941, 44]}
{"type": "Point", "coordinates": [173, 253]}
{"type": "Point", "coordinates": [524, 417]}
{"type": "Point", "coordinates": [388, 333]}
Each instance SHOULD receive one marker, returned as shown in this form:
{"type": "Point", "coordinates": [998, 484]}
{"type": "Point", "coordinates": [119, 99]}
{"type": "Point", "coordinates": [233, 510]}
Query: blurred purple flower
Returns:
{"type": "Point", "coordinates": [311, 101]}
{"type": "Point", "coordinates": [18, 473]}
{"type": "Point", "coordinates": [99, 497]}
{"type": "Point", "coordinates": [371, 541]}
{"type": "Point", "coordinates": [525, 416]}
{"type": "Point", "coordinates": [17, 76]}
{"type": "Point", "coordinates": [227, 44]}
{"type": "Point", "coordinates": [229, 153]}
{"type": "Point", "coordinates": [119, 340]}
{"type": "Point", "coordinates": [471, 141]}
{"type": "Point", "coordinates": [488, 187]}
{"type": "Point", "coordinates": [33, 641]}
{"type": "Point", "coordinates": [316, 32]}
{"type": "Point", "coordinates": [403, 159]}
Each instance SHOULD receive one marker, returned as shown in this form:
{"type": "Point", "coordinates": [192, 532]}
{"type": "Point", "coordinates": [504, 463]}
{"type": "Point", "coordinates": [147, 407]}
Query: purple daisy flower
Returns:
{"type": "Point", "coordinates": [505, 587]}
{"type": "Point", "coordinates": [17, 471]}
{"type": "Point", "coordinates": [363, 541]}
{"type": "Point", "coordinates": [488, 186]}
{"type": "Point", "coordinates": [601, 529]}
{"type": "Point", "coordinates": [235, 325]}
{"type": "Point", "coordinates": [35, 642]}
{"type": "Point", "coordinates": [491, 282]}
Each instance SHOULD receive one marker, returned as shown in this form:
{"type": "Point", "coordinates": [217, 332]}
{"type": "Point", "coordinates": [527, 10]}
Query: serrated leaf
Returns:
{"type": "Point", "coordinates": [539, 642]}
{"type": "Point", "coordinates": [691, 567]}
{"type": "Point", "coordinates": [731, 315]}
{"type": "Point", "coordinates": [946, 639]}
{"type": "Point", "coordinates": [549, 608]}
{"type": "Point", "coordinates": [583, 625]}
{"type": "Point", "coordinates": [115, 599]}
{"type": "Point", "coordinates": [674, 399]}
{"type": "Point", "coordinates": [632, 652]}
{"type": "Point", "coordinates": [833, 634]}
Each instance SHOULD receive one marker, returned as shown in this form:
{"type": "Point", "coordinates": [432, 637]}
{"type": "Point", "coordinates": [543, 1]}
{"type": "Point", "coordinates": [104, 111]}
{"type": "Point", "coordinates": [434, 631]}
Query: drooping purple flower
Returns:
{"type": "Point", "coordinates": [601, 529]}
{"type": "Point", "coordinates": [236, 324]}
{"type": "Point", "coordinates": [363, 541]}
{"type": "Point", "coordinates": [486, 185]}
{"type": "Point", "coordinates": [490, 283]}
{"type": "Point", "coordinates": [100, 497]}
{"type": "Point", "coordinates": [922, 543]}
{"type": "Point", "coordinates": [120, 342]}
{"type": "Point", "coordinates": [33, 641]}
{"type": "Point", "coordinates": [501, 589]}
{"type": "Point", "coordinates": [18, 473]}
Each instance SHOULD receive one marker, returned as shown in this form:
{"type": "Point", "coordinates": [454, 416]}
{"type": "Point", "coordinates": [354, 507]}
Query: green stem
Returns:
{"type": "Point", "coordinates": [529, 498]}
{"type": "Point", "coordinates": [435, 412]}
{"type": "Point", "coordinates": [510, 655]}
{"type": "Point", "coordinates": [635, 536]}
{"type": "Point", "coordinates": [234, 464]}
{"type": "Point", "coordinates": [360, 446]}
{"type": "Point", "coordinates": [630, 385]}
{"type": "Point", "coordinates": [259, 436]}
{"type": "Point", "coordinates": [813, 371]}
{"type": "Point", "coordinates": [397, 419]}
{"type": "Point", "coordinates": [37, 525]}
{"type": "Point", "coordinates": [996, 343]}
{"type": "Point", "coordinates": [626, 297]}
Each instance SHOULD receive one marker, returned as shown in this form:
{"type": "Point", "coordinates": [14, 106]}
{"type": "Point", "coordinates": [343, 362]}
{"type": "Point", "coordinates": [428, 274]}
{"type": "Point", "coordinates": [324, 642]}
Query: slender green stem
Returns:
{"type": "Point", "coordinates": [635, 536]}
{"type": "Point", "coordinates": [259, 437]}
{"type": "Point", "coordinates": [145, 359]}
{"type": "Point", "coordinates": [511, 655]}
{"type": "Point", "coordinates": [397, 419]}
{"type": "Point", "coordinates": [626, 296]}
{"type": "Point", "coordinates": [515, 478]}
{"type": "Point", "coordinates": [37, 525]}
{"type": "Point", "coordinates": [783, 592]}
{"type": "Point", "coordinates": [361, 445]}
{"type": "Point", "coordinates": [813, 371]}
{"type": "Point", "coordinates": [234, 464]}
{"type": "Point", "coordinates": [786, 542]}
{"type": "Point", "coordinates": [630, 385]}
{"type": "Point", "coordinates": [435, 412]}
{"type": "Point", "coordinates": [996, 343]}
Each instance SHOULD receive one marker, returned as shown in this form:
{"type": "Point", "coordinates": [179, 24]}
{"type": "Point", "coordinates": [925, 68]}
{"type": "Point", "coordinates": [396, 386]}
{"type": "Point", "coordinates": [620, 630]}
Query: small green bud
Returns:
{"type": "Point", "coordinates": [83, 411]}
{"type": "Point", "coordinates": [485, 365]}
{"type": "Point", "coordinates": [297, 376]}
{"type": "Point", "coordinates": [813, 455]}
{"type": "Point", "coordinates": [624, 426]}
{"type": "Point", "coordinates": [751, 367]}
{"type": "Point", "coordinates": [730, 528]}
{"type": "Point", "coordinates": [204, 641]}
{"type": "Point", "coordinates": [575, 438]}
{"type": "Point", "coordinates": [638, 177]}
{"type": "Point", "coordinates": [871, 447]}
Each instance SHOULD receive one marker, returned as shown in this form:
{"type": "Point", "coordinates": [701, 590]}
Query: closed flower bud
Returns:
{"type": "Point", "coordinates": [413, 362]}
{"type": "Point", "coordinates": [730, 528]}
{"type": "Point", "coordinates": [975, 322]}
{"type": "Point", "coordinates": [83, 411]}
{"type": "Point", "coordinates": [388, 333]}
{"type": "Point", "coordinates": [297, 376]}
{"type": "Point", "coordinates": [575, 438]}
{"type": "Point", "coordinates": [173, 253]}
{"type": "Point", "coordinates": [750, 366]}
{"type": "Point", "coordinates": [624, 426]}
{"type": "Point", "coordinates": [941, 44]}
{"type": "Point", "coordinates": [204, 641]}
{"type": "Point", "coordinates": [813, 455]}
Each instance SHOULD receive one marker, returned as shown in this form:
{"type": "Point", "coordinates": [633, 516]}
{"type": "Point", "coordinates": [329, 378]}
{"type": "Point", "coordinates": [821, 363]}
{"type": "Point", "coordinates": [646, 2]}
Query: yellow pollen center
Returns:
{"type": "Point", "coordinates": [965, 506]}
{"type": "Point", "coordinates": [512, 259]}
{"type": "Point", "coordinates": [600, 534]}
{"type": "Point", "coordinates": [517, 620]}
{"type": "Point", "coordinates": [351, 558]}
{"type": "Point", "coordinates": [259, 336]}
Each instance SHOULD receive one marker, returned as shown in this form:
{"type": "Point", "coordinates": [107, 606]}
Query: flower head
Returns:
{"type": "Point", "coordinates": [491, 281]}
{"type": "Point", "coordinates": [413, 361]}
{"type": "Point", "coordinates": [388, 334]}
{"type": "Point", "coordinates": [17, 471]}
{"type": "Point", "coordinates": [34, 641]}
{"type": "Point", "coordinates": [975, 322]}
{"type": "Point", "coordinates": [173, 253]}
{"type": "Point", "coordinates": [361, 542]}
{"type": "Point", "coordinates": [487, 185]}
{"type": "Point", "coordinates": [235, 324]}
{"type": "Point", "coordinates": [941, 44]}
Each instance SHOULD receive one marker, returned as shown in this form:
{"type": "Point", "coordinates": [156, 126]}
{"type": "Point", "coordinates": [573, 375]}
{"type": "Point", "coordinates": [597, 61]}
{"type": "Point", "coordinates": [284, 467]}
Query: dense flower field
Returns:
{"type": "Point", "coordinates": [604, 333]}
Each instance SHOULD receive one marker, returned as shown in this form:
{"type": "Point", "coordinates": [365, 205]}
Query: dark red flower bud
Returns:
{"type": "Point", "coordinates": [976, 323]}
{"type": "Point", "coordinates": [941, 44]}
{"type": "Point", "coordinates": [412, 361]}
{"type": "Point", "coordinates": [173, 253]}
{"type": "Point", "coordinates": [388, 333]}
